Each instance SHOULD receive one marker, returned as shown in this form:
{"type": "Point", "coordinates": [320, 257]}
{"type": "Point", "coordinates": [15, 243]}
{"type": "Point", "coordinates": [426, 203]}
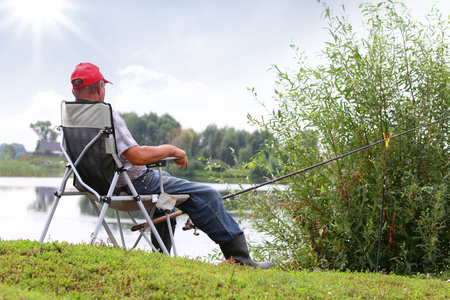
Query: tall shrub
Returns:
{"type": "Point", "coordinates": [391, 77]}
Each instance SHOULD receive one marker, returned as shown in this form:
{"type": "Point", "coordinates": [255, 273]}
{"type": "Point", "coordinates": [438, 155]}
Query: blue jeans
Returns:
{"type": "Point", "coordinates": [204, 206]}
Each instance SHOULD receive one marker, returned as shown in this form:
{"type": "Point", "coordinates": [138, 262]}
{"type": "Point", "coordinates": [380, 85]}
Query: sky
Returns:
{"type": "Point", "coordinates": [193, 59]}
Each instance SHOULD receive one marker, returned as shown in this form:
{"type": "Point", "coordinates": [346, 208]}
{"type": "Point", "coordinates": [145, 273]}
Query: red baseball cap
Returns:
{"type": "Point", "coordinates": [89, 73]}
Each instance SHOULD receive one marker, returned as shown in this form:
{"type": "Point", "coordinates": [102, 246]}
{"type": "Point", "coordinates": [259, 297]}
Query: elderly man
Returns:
{"type": "Point", "coordinates": [205, 205]}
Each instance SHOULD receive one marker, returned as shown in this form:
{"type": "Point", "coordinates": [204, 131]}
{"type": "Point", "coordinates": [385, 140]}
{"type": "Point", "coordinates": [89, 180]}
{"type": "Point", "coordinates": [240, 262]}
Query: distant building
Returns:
{"type": "Point", "coordinates": [52, 147]}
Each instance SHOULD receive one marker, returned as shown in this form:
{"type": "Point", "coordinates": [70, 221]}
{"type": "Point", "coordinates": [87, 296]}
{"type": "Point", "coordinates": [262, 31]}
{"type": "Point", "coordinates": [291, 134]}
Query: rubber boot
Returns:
{"type": "Point", "coordinates": [163, 231]}
{"type": "Point", "coordinates": [237, 249]}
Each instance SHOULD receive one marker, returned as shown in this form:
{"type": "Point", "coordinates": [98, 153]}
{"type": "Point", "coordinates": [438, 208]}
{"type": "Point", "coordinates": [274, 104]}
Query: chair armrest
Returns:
{"type": "Point", "coordinates": [161, 163]}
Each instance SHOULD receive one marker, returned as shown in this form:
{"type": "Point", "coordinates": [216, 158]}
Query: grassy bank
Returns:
{"type": "Point", "coordinates": [29, 270]}
{"type": "Point", "coordinates": [30, 165]}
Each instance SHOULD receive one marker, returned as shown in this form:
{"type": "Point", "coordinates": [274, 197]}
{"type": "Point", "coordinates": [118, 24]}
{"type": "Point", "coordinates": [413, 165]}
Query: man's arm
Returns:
{"type": "Point", "coordinates": [143, 155]}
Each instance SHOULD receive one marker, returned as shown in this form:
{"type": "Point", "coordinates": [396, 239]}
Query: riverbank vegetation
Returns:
{"type": "Point", "coordinates": [33, 165]}
{"type": "Point", "coordinates": [388, 76]}
{"type": "Point", "coordinates": [30, 270]}
{"type": "Point", "coordinates": [53, 165]}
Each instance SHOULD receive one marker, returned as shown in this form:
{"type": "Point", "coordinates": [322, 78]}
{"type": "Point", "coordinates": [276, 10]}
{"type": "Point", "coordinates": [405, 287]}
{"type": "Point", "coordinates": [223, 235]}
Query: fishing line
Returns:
{"type": "Point", "coordinates": [328, 161]}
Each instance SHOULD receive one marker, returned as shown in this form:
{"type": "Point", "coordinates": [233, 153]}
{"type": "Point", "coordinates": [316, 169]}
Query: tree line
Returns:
{"type": "Point", "coordinates": [224, 146]}
{"type": "Point", "coordinates": [11, 151]}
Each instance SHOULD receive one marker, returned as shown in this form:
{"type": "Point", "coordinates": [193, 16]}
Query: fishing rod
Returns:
{"type": "Point", "coordinates": [382, 200]}
{"type": "Point", "coordinates": [329, 160]}
{"type": "Point", "coordinates": [189, 225]}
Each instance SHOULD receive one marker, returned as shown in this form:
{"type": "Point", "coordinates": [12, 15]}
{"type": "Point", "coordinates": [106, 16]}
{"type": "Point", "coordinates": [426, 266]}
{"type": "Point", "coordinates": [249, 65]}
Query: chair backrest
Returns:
{"type": "Point", "coordinates": [87, 132]}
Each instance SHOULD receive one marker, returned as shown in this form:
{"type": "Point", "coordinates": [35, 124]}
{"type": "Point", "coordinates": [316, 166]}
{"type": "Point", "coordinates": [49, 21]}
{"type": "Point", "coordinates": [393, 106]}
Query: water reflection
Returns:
{"type": "Point", "coordinates": [87, 209]}
{"type": "Point", "coordinates": [25, 204]}
{"type": "Point", "coordinates": [44, 198]}
{"type": "Point", "coordinates": [46, 195]}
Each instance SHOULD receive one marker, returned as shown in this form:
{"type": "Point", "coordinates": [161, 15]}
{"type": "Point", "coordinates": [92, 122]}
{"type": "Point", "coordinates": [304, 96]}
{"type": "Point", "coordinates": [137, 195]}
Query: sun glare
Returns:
{"type": "Point", "coordinates": [36, 15]}
{"type": "Point", "coordinates": [41, 19]}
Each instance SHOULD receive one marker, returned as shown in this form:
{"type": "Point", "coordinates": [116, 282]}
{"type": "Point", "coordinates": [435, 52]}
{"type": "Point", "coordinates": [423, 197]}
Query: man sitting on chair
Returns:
{"type": "Point", "coordinates": [205, 204]}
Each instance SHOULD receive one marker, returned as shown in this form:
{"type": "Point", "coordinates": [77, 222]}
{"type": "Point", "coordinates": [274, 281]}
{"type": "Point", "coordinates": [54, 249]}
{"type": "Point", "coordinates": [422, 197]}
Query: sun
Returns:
{"type": "Point", "coordinates": [42, 20]}
{"type": "Point", "coordinates": [36, 15]}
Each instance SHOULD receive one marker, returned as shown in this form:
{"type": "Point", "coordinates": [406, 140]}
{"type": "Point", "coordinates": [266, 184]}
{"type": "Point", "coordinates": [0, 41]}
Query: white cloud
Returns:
{"type": "Point", "coordinates": [194, 104]}
{"type": "Point", "coordinates": [43, 107]}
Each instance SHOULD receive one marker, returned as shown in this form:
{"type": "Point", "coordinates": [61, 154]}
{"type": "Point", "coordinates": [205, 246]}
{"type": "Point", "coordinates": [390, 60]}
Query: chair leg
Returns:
{"type": "Point", "coordinates": [142, 234]}
{"type": "Point", "coordinates": [105, 225]}
{"type": "Point", "coordinates": [49, 219]}
{"type": "Point", "coordinates": [58, 195]}
{"type": "Point", "coordinates": [171, 233]}
{"type": "Point", "coordinates": [164, 233]}
{"type": "Point", "coordinates": [100, 221]}
{"type": "Point", "coordinates": [152, 227]}
{"type": "Point", "coordinates": [119, 223]}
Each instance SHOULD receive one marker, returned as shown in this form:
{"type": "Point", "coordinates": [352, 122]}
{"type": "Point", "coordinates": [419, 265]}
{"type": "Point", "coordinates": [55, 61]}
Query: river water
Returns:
{"type": "Point", "coordinates": [25, 203]}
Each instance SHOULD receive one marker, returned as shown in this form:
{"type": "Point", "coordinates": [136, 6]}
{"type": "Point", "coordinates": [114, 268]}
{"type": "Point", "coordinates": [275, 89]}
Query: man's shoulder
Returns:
{"type": "Point", "coordinates": [118, 120]}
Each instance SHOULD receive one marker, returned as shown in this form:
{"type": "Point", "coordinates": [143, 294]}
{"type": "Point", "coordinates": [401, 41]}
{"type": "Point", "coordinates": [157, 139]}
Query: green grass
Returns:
{"type": "Point", "coordinates": [30, 270]}
{"type": "Point", "coordinates": [35, 166]}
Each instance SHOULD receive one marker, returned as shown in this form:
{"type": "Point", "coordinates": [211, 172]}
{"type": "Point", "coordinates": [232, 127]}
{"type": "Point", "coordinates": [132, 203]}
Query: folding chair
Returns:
{"type": "Point", "coordinates": [89, 145]}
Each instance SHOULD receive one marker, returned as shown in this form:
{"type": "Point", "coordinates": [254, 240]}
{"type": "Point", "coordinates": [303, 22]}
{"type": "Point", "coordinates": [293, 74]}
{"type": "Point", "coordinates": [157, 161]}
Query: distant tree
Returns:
{"type": "Point", "coordinates": [245, 154]}
{"type": "Point", "coordinates": [20, 149]}
{"type": "Point", "coordinates": [210, 140]}
{"type": "Point", "coordinates": [150, 129]}
{"type": "Point", "coordinates": [137, 127]}
{"type": "Point", "coordinates": [232, 139]}
{"type": "Point", "coordinates": [44, 131]}
{"type": "Point", "coordinates": [8, 151]}
{"type": "Point", "coordinates": [215, 143]}
{"type": "Point", "coordinates": [257, 141]}
{"type": "Point", "coordinates": [166, 124]}
{"type": "Point", "coordinates": [5, 150]}
{"type": "Point", "coordinates": [185, 140]}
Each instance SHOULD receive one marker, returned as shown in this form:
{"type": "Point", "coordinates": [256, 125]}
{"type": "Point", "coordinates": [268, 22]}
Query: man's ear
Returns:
{"type": "Point", "coordinates": [98, 89]}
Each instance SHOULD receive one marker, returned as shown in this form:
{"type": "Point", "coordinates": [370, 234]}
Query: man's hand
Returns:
{"type": "Point", "coordinates": [182, 162]}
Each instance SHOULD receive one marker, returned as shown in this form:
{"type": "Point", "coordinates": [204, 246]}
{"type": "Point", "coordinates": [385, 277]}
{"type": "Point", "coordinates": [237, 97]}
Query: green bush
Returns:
{"type": "Point", "coordinates": [392, 78]}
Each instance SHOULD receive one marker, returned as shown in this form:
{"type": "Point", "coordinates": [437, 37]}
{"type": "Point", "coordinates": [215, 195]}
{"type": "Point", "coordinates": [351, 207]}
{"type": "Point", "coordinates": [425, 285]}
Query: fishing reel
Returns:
{"type": "Point", "coordinates": [189, 225]}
